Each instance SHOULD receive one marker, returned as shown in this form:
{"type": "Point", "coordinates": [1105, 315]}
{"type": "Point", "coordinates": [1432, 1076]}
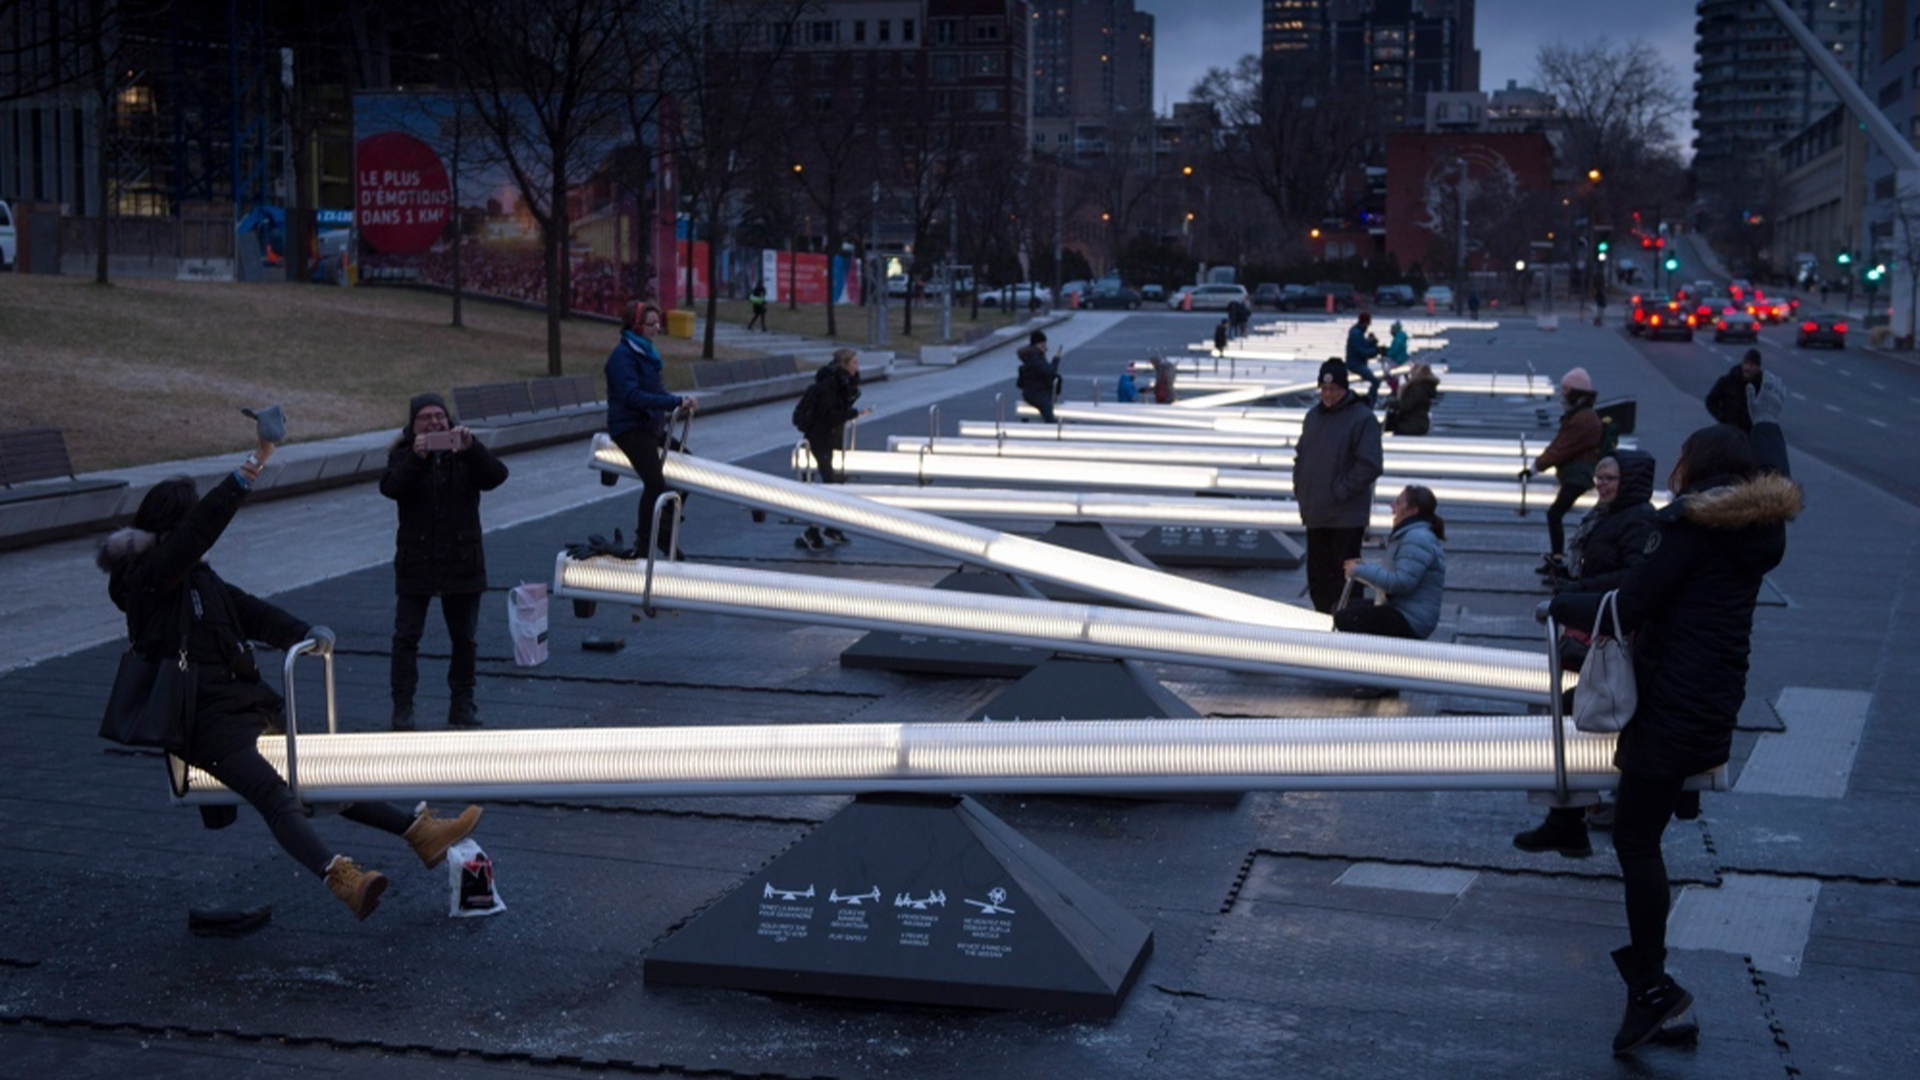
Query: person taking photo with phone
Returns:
{"type": "Point", "coordinates": [436, 471]}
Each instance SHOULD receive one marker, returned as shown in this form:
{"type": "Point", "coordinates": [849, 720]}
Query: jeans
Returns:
{"type": "Point", "coordinates": [462, 614]}
{"type": "Point", "coordinates": [642, 448]}
{"type": "Point", "coordinates": [1041, 398]}
{"type": "Point", "coordinates": [1641, 810]}
{"type": "Point", "coordinates": [247, 774]}
{"type": "Point", "coordinates": [1563, 501]}
{"type": "Point", "coordinates": [823, 444]}
{"type": "Point", "coordinates": [1327, 553]}
{"type": "Point", "coordinates": [1379, 620]}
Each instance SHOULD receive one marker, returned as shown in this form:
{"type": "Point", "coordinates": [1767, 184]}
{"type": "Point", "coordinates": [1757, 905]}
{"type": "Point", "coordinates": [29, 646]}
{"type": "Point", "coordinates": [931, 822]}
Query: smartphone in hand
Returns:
{"type": "Point", "coordinates": [440, 440]}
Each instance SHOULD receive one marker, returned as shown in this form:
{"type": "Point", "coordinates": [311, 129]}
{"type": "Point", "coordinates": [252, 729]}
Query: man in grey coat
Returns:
{"type": "Point", "coordinates": [1335, 464]}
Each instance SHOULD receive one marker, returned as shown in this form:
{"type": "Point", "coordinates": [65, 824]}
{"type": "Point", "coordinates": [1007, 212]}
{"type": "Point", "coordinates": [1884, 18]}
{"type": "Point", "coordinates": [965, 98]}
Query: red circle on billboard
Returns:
{"type": "Point", "coordinates": [401, 193]}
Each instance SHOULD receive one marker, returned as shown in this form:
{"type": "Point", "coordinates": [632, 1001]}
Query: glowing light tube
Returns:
{"type": "Point", "coordinates": [1361, 753]}
{"type": "Point", "coordinates": [1079, 628]}
{"type": "Point", "coordinates": [1118, 508]}
{"type": "Point", "coordinates": [1249, 433]}
{"type": "Point", "coordinates": [927, 468]}
{"type": "Point", "coordinates": [825, 504]}
{"type": "Point", "coordinates": [1404, 462]}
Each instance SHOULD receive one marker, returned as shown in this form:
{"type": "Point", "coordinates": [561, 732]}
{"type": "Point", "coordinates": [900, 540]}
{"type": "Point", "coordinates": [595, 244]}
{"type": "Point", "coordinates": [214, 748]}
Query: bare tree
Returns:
{"type": "Point", "coordinates": [926, 150]}
{"type": "Point", "coordinates": [828, 138]}
{"type": "Point", "coordinates": [49, 45]}
{"type": "Point", "coordinates": [1621, 103]}
{"type": "Point", "coordinates": [544, 78]}
{"type": "Point", "coordinates": [1294, 142]}
{"type": "Point", "coordinates": [724, 63]}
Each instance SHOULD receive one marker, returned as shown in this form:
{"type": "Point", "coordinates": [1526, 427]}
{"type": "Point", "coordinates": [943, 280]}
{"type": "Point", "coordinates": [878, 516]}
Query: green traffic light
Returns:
{"type": "Point", "coordinates": [1843, 258]}
{"type": "Point", "coordinates": [1603, 245]}
{"type": "Point", "coordinates": [1673, 264]}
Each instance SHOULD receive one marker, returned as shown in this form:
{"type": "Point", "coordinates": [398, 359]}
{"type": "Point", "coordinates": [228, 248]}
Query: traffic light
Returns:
{"type": "Point", "coordinates": [1603, 247]}
{"type": "Point", "coordinates": [1873, 275]}
{"type": "Point", "coordinates": [1843, 258]}
{"type": "Point", "coordinates": [1672, 264]}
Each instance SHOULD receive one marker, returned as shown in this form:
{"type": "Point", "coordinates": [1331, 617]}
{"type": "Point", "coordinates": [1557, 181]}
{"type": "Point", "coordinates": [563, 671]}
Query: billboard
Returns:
{"type": "Point", "coordinates": [425, 170]}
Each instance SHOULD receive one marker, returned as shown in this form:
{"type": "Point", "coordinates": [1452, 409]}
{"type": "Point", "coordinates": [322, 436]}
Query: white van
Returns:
{"type": "Point", "coordinates": [7, 236]}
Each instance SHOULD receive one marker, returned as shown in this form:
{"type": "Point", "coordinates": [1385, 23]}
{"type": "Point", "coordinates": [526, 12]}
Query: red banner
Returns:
{"type": "Point", "coordinates": [808, 280]}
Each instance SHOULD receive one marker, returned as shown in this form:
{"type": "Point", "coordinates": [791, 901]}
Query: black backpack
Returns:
{"type": "Point", "coordinates": [806, 411]}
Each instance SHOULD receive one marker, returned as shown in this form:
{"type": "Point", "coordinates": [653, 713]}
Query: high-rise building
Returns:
{"type": "Point", "coordinates": [1091, 58]}
{"type": "Point", "coordinates": [1395, 51]}
{"type": "Point", "coordinates": [1755, 89]}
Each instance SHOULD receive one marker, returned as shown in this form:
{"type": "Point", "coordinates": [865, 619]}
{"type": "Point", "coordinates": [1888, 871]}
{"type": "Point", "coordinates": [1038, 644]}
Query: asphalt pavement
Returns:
{"type": "Point", "coordinates": [1313, 934]}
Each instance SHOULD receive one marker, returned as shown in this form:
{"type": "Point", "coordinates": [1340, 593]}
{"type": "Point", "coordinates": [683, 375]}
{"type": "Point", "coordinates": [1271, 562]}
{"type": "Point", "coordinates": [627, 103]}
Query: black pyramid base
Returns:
{"type": "Point", "coordinates": [924, 654]}
{"type": "Point", "coordinates": [1251, 549]}
{"type": "Point", "coordinates": [920, 899]}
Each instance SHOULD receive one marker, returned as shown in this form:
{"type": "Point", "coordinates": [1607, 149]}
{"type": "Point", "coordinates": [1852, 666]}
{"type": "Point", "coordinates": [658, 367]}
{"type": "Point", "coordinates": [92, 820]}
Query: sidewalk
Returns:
{"type": "Point", "coordinates": [53, 600]}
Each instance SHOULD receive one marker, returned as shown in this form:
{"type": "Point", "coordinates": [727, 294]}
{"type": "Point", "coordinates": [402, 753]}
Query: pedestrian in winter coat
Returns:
{"type": "Point", "coordinates": [1163, 376]}
{"type": "Point", "coordinates": [1362, 347]}
{"type": "Point", "coordinates": [638, 405]}
{"type": "Point", "coordinates": [1038, 377]}
{"type": "Point", "coordinates": [1126, 391]}
{"type": "Point", "coordinates": [1413, 576]}
{"type": "Point", "coordinates": [1220, 338]}
{"type": "Point", "coordinates": [1572, 454]}
{"type": "Point", "coordinates": [1612, 538]}
{"type": "Point", "coordinates": [822, 415]}
{"type": "Point", "coordinates": [1689, 607]}
{"type": "Point", "coordinates": [436, 471]}
{"type": "Point", "coordinates": [1409, 411]}
{"type": "Point", "coordinates": [758, 298]}
{"type": "Point", "coordinates": [158, 576]}
{"type": "Point", "coordinates": [1727, 401]}
{"type": "Point", "coordinates": [1335, 463]}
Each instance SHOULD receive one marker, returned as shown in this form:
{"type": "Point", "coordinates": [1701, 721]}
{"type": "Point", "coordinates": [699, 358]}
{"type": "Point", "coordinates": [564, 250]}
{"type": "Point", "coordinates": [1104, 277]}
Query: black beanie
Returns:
{"type": "Point", "coordinates": [1037, 338]}
{"type": "Point", "coordinates": [421, 401]}
{"type": "Point", "coordinates": [1333, 371]}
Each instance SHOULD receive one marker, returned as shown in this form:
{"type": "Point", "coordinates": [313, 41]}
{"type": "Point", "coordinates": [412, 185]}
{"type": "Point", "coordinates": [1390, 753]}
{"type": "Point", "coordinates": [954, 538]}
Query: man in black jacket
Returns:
{"type": "Point", "coordinates": [1727, 401]}
{"type": "Point", "coordinates": [436, 472]}
{"type": "Point", "coordinates": [1335, 464]}
{"type": "Point", "coordinates": [1039, 378]}
{"type": "Point", "coordinates": [822, 414]}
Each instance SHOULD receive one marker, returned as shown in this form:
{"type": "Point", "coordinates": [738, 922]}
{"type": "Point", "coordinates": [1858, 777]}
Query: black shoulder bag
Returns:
{"type": "Point", "coordinates": [152, 701]}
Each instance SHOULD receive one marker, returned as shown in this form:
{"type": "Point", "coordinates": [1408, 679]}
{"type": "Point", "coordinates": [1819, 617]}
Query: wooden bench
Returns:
{"type": "Point", "coordinates": [29, 457]}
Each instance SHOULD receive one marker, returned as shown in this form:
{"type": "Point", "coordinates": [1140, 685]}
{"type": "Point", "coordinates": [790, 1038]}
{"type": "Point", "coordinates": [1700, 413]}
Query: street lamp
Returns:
{"type": "Point", "coordinates": [793, 244]}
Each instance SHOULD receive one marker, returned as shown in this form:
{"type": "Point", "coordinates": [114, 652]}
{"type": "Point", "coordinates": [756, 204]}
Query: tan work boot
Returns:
{"type": "Point", "coordinates": [431, 836]}
{"type": "Point", "coordinates": [359, 889]}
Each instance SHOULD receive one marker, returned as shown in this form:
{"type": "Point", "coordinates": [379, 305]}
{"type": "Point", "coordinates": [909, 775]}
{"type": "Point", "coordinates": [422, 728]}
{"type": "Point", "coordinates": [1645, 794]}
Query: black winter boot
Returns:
{"type": "Point", "coordinates": [1564, 831]}
{"type": "Point", "coordinates": [402, 717]}
{"type": "Point", "coordinates": [1653, 998]}
{"type": "Point", "coordinates": [462, 714]}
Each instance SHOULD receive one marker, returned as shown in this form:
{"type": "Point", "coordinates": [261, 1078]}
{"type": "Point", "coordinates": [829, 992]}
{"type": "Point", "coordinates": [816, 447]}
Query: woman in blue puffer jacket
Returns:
{"type": "Point", "coordinates": [1413, 575]}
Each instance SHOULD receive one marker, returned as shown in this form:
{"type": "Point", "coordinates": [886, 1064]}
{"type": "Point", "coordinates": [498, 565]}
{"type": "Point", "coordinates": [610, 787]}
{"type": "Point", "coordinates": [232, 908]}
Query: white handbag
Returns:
{"type": "Point", "coordinates": [1607, 695]}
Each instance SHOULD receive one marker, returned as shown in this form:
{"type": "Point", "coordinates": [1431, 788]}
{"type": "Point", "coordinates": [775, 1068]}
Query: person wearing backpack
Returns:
{"type": "Point", "coordinates": [1038, 377]}
{"type": "Point", "coordinates": [1572, 454]}
{"type": "Point", "coordinates": [821, 415]}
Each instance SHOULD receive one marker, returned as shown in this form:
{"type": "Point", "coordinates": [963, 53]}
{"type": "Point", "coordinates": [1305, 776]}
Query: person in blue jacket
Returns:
{"type": "Point", "coordinates": [1413, 576]}
{"type": "Point", "coordinates": [638, 405]}
{"type": "Point", "coordinates": [1362, 347]}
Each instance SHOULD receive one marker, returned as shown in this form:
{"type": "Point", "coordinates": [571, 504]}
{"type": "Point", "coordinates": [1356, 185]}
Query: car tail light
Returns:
{"type": "Point", "coordinates": [1839, 328]}
{"type": "Point", "coordinates": [1808, 328]}
{"type": "Point", "coordinates": [1721, 325]}
{"type": "Point", "coordinates": [1655, 320]}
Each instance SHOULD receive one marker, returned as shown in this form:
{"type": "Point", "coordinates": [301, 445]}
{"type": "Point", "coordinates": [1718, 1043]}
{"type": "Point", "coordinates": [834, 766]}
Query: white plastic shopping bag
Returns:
{"type": "Point", "coordinates": [470, 886]}
{"type": "Point", "coordinates": [527, 620]}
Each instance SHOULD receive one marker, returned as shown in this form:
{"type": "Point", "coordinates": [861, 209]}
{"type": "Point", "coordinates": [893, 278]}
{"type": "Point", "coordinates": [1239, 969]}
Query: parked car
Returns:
{"type": "Point", "coordinates": [1267, 294]}
{"type": "Point", "coordinates": [1018, 295]}
{"type": "Point", "coordinates": [1393, 296]}
{"type": "Point", "coordinates": [1823, 330]}
{"type": "Point", "coordinates": [1178, 297]}
{"type": "Point", "coordinates": [1153, 293]}
{"type": "Point", "coordinates": [1111, 296]}
{"type": "Point", "coordinates": [1671, 319]}
{"type": "Point", "coordinates": [1217, 297]}
{"type": "Point", "coordinates": [1439, 297]}
{"type": "Point", "coordinates": [8, 239]}
{"type": "Point", "coordinates": [1736, 325]}
{"type": "Point", "coordinates": [897, 285]}
{"type": "Point", "coordinates": [1075, 288]}
{"type": "Point", "coordinates": [1314, 297]}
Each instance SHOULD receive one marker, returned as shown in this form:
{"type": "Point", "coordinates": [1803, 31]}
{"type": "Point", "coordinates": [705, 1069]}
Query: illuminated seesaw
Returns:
{"type": "Point", "coordinates": [1278, 382]}
{"type": "Point", "coordinates": [1519, 449]}
{"type": "Point", "coordinates": [1083, 629]}
{"type": "Point", "coordinates": [827, 504]}
{"type": "Point", "coordinates": [1123, 508]}
{"type": "Point", "coordinates": [1398, 461]}
{"type": "Point", "coordinates": [927, 467]}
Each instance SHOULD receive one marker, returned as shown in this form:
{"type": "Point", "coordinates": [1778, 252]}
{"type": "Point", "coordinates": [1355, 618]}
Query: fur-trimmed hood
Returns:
{"type": "Point", "coordinates": [119, 548]}
{"type": "Point", "coordinates": [1766, 499]}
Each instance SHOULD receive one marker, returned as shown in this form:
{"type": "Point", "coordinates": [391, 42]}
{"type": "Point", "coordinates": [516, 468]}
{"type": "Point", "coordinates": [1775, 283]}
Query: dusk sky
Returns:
{"type": "Point", "coordinates": [1191, 37]}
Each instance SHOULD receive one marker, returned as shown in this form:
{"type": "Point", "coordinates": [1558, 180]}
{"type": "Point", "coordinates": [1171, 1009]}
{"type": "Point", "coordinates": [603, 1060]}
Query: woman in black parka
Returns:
{"type": "Point", "coordinates": [156, 567]}
{"type": "Point", "coordinates": [1689, 606]}
{"type": "Point", "coordinates": [437, 550]}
